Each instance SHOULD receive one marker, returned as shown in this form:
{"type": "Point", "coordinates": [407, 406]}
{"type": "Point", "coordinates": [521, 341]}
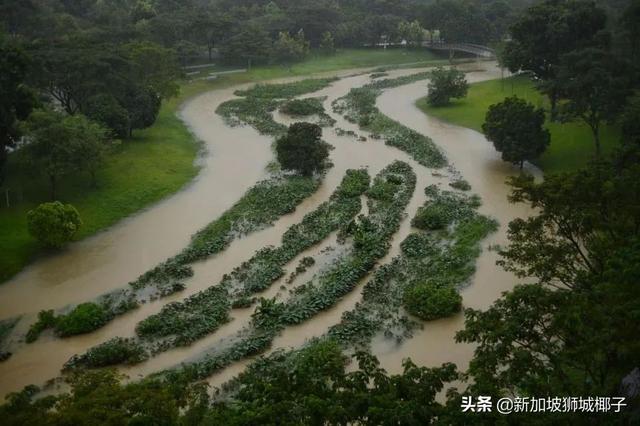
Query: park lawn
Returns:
{"type": "Point", "coordinates": [571, 143]}
{"type": "Point", "coordinates": [155, 163]}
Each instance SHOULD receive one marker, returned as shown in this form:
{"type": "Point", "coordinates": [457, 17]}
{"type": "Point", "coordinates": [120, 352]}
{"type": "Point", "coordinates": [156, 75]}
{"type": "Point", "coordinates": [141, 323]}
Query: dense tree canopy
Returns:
{"type": "Point", "coordinates": [17, 99]}
{"type": "Point", "coordinates": [301, 149]}
{"type": "Point", "coordinates": [445, 84]}
{"type": "Point", "coordinates": [53, 224]}
{"type": "Point", "coordinates": [546, 32]}
{"type": "Point", "coordinates": [516, 129]}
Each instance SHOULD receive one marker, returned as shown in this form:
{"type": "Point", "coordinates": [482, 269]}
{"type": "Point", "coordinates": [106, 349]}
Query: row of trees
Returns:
{"type": "Point", "coordinates": [587, 71]}
{"type": "Point", "coordinates": [193, 26]}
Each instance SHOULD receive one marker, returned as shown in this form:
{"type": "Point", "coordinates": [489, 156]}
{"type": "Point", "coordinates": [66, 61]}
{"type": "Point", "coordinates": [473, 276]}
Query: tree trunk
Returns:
{"type": "Point", "coordinates": [52, 186]}
{"type": "Point", "coordinates": [553, 98]}
{"type": "Point", "coordinates": [595, 129]}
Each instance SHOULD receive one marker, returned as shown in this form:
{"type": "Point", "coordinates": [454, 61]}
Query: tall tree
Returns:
{"type": "Point", "coordinates": [571, 331]}
{"type": "Point", "coordinates": [596, 85]}
{"type": "Point", "coordinates": [546, 32]}
{"type": "Point", "coordinates": [301, 149]}
{"type": "Point", "coordinates": [516, 129]}
{"type": "Point", "coordinates": [59, 145]}
{"type": "Point", "coordinates": [445, 84]}
{"type": "Point", "coordinates": [17, 99]}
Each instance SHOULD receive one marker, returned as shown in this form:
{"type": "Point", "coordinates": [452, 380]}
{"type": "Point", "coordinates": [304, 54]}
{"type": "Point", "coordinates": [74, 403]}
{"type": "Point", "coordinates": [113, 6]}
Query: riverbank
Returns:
{"type": "Point", "coordinates": [155, 163]}
{"type": "Point", "coordinates": [571, 143]}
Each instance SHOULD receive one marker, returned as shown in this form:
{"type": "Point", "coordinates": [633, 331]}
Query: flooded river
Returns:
{"type": "Point", "coordinates": [235, 159]}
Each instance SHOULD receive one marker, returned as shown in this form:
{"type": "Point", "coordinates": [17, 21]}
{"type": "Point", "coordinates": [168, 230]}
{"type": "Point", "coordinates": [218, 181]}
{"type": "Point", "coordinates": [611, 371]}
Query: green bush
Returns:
{"type": "Point", "coordinates": [446, 84]}
{"type": "Point", "coordinates": [53, 224]}
{"type": "Point", "coordinates": [431, 217]}
{"type": "Point", "coordinates": [460, 184]}
{"type": "Point", "coordinates": [46, 319]}
{"type": "Point", "coordinates": [115, 351]}
{"type": "Point", "coordinates": [301, 149]}
{"type": "Point", "coordinates": [302, 107]}
{"type": "Point", "coordinates": [84, 318]}
{"type": "Point", "coordinates": [429, 301]}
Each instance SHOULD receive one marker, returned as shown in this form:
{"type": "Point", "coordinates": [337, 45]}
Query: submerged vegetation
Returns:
{"type": "Point", "coordinates": [369, 239]}
{"type": "Point", "coordinates": [182, 323]}
{"type": "Point", "coordinates": [359, 106]}
{"type": "Point", "coordinates": [257, 209]}
{"type": "Point", "coordinates": [441, 260]}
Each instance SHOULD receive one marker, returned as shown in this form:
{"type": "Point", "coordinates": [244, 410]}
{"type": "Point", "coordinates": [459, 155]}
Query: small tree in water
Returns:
{"type": "Point", "coordinates": [516, 129]}
{"type": "Point", "coordinates": [446, 84]}
{"type": "Point", "coordinates": [301, 149]}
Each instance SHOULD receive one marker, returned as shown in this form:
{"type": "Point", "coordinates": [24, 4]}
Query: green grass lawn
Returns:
{"type": "Point", "coordinates": [156, 163]}
{"type": "Point", "coordinates": [571, 143]}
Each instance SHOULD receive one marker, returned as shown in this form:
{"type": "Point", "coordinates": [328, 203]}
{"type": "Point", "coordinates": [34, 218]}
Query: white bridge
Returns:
{"type": "Point", "coordinates": [474, 49]}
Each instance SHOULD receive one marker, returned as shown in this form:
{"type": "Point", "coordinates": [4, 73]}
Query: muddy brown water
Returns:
{"type": "Point", "coordinates": [236, 159]}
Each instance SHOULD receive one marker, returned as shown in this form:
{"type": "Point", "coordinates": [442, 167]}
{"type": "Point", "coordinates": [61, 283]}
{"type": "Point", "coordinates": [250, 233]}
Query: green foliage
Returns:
{"type": "Point", "coordinates": [302, 149]}
{"type": "Point", "coordinates": [111, 352]}
{"type": "Point", "coordinates": [630, 121]}
{"type": "Point", "coordinates": [327, 44]}
{"type": "Point", "coordinates": [106, 110]}
{"type": "Point", "coordinates": [62, 144]}
{"type": "Point", "coordinates": [430, 301]}
{"type": "Point", "coordinates": [286, 90]}
{"type": "Point", "coordinates": [46, 319]}
{"type": "Point", "coordinates": [303, 386]}
{"type": "Point", "coordinates": [461, 185]}
{"type": "Point", "coordinates": [143, 106]}
{"type": "Point", "coordinates": [566, 151]}
{"type": "Point", "coordinates": [53, 224]}
{"type": "Point", "coordinates": [251, 45]}
{"type": "Point", "coordinates": [99, 397]}
{"type": "Point", "coordinates": [302, 107]}
{"type": "Point", "coordinates": [445, 84]}
{"type": "Point", "coordinates": [255, 112]}
{"type": "Point", "coordinates": [259, 207]}
{"type": "Point", "coordinates": [595, 84]}
{"type": "Point", "coordinates": [287, 48]}
{"type": "Point", "coordinates": [446, 258]}
{"type": "Point", "coordinates": [17, 99]}
{"type": "Point", "coordinates": [183, 323]}
{"type": "Point", "coordinates": [84, 318]}
{"type": "Point", "coordinates": [516, 129]}
{"type": "Point", "coordinates": [444, 208]}
{"type": "Point", "coordinates": [329, 287]}
{"type": "Point", "coordinates": [412, 32]}
{"type": "Point", "coordinates": [581, 262]}
{"type": "Point", "coordinates": [359, 106]}
{"type": "Point", "coordinates": [547, 31]}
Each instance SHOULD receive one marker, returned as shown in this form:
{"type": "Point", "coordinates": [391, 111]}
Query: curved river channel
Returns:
{"type": "Point", "coordinates": [234, 159]}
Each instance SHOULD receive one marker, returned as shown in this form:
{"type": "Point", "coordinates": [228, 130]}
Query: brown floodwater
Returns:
{"type": "Point", "coordinates": [235, 159]}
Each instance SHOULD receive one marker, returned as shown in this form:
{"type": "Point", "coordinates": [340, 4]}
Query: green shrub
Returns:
{"type": "Point", "coordinates": [302, 107]}
{"type": "Point", "coordinates": [53, 224]}
{"type": "Point", "coordinates": [417, 246]}
{"type": "Point", "coordinates": [446, 84]}
{"type": "Point", "coordinates": [301, 149]}
{"type": "Point", "coordinates": [46, 319]}
{"type": "Point", "coordinates": [431, 217]}
{"type": "Point", "coordinates": [84, 318]}
{"type": "Point", "coordinates": [429, 301]}
{"type": "Point", "coordinates": [115, 351]}
{"type": "Point", "coordinates": [460, 184]}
